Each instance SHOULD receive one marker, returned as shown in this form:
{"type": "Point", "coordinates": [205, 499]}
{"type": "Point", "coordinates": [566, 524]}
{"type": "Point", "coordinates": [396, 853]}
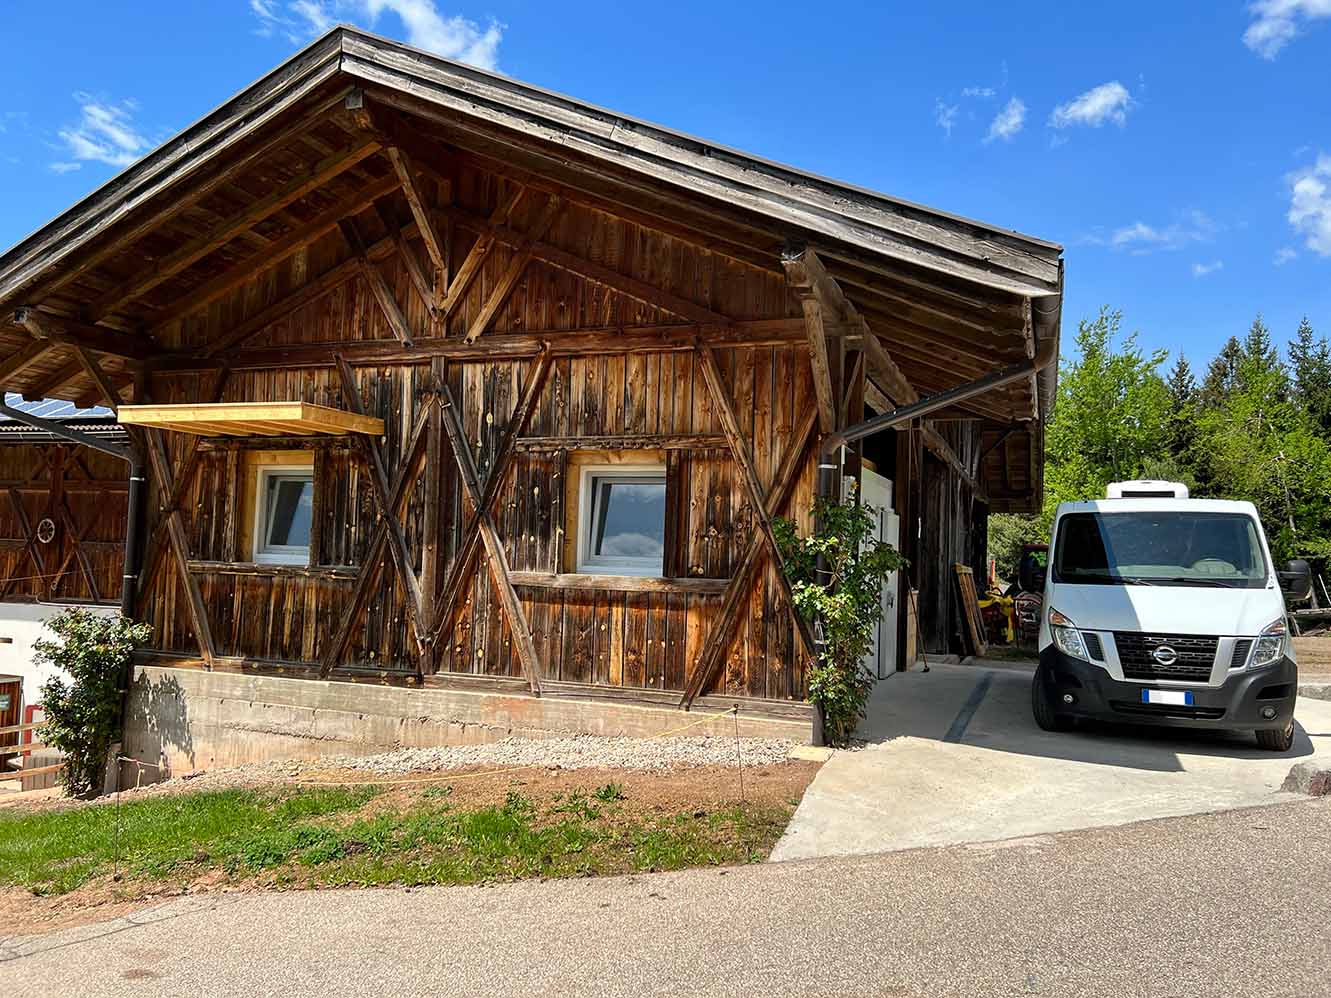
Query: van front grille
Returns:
{"type": "Point", "coordinates": [1194, 655]}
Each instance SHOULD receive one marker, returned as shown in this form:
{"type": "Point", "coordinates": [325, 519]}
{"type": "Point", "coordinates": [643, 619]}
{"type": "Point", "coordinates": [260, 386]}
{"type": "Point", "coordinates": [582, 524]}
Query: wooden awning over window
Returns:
{"type": "Point", "coordinates": [249, 419]}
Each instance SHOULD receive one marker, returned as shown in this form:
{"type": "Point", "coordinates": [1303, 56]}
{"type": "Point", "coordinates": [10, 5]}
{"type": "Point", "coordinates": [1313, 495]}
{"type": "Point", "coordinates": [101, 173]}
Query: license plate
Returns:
{"type": "Point", "coordinates": [1176, 698]}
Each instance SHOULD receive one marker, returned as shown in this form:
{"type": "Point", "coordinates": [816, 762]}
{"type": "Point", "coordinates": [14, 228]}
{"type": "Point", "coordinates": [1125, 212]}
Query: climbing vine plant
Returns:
{"type": "Point", "coordinates": [845, 605]}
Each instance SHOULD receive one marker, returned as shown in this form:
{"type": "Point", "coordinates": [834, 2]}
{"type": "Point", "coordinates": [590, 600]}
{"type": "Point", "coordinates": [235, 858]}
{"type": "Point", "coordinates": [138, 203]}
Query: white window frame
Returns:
{"type": "Point", "coordinates": [602, 565]}
{"type": "Point", "coordinates": [280, 554]}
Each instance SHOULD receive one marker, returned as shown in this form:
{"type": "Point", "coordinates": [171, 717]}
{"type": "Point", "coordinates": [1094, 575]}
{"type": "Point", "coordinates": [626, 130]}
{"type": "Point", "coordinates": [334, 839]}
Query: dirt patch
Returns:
{"type": "Point", "coordinates": [640, 797]}
{"type": "Point", "coordinates": [1314, 655]}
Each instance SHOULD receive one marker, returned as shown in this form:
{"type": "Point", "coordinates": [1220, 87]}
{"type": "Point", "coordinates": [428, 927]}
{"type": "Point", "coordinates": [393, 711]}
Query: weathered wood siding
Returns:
{"type": "Point", "coordinates": [83, 492]}
{"type": "Point", "coordinates": [605, 636]}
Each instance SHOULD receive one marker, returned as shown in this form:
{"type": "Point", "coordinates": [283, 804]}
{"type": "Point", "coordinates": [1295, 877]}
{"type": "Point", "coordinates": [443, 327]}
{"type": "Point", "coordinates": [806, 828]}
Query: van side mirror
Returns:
{"type": "Point", "coordinates": [1296, 580]}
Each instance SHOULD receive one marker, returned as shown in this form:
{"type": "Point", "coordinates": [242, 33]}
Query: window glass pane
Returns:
{"type": "Point", "coordinates": [290, 507]}
{"type": "Point", "coordinates": [629, 519]}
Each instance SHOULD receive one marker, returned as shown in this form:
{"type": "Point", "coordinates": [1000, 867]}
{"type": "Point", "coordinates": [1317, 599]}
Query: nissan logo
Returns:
{"type": "Point", "coordinates": [1165, 655]}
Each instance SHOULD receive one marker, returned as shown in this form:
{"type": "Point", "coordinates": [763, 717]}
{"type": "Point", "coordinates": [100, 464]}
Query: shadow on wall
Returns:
{"type": "Point", "coordinates": [156, 730]}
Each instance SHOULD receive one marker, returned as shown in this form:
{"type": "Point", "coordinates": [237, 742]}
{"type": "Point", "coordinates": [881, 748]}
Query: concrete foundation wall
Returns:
{"type": "Point", "coordinates": [187, 719]}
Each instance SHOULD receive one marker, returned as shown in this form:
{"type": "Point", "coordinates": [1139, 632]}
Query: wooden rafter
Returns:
{"type": "Point", "coordinates": [178, 202]}
{"type": "Point", "coordinates": [638, 290]}
{"type": "Point", "coordinates": [294, 241]}
{"type": "Point", "coordinates": [109, 393]}
{"type": "Point", "coordinates": [803, 272]}
{"type": "Point", "coordinates": [15, 364]}
{"type": "Point", "coordinates": [415, 272]}
{"type": "Point", "coordinates": [173, 263]}
{"type": "Point", "coordinates": [471, 266]}
{"type": "Point", "coordinates": [466, 555]}
{"type": "Point", "coordinates": [70, 332]}
{"type": "Point", "coordinates": [54, 384]}
{"type": "Point", "coordinates": [374, 278]}
{"type": "Point", "coordinates": [434, 243]}
{"type": "Point", "coordinates": [522, 256]}
{"type": "Point", "coordinates": [714, 647]}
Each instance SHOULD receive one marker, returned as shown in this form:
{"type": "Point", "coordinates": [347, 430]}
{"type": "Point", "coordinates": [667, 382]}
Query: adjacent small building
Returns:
{"type": "Point", "coordinates": [473, 404]}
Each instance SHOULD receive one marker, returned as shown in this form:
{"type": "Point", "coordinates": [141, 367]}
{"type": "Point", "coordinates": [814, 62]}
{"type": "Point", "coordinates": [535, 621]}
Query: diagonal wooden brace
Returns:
{"type": "Point", "coordinates": [777, 496]}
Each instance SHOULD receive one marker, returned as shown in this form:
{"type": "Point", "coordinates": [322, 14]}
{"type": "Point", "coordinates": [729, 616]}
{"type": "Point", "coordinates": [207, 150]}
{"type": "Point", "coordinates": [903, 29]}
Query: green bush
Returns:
{"type": "Point", "coordinates": [83, 711]}
{"type": "Point", "coordinates": [846, 606]}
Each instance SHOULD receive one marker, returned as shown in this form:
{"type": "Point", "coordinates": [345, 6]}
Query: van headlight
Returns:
{"type": "Point", "coordinates": [1067, 638]}
{"type": "Point", "coordinates": [1270, 645]}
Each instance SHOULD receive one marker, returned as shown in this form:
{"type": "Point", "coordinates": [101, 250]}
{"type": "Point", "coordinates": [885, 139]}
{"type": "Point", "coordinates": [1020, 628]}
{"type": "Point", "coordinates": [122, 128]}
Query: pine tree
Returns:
{"type": "Point", "coordinates": [1220, 374]}
{"type": "Point", "coordinates": [1181, 422]}
{"type": "Point", "coordinates": [1311, 359]}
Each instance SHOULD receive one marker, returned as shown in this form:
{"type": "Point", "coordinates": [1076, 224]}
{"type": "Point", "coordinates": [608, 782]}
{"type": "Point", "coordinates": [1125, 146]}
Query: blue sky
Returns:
{"type": "Point", "coordinates": [1180, 151]}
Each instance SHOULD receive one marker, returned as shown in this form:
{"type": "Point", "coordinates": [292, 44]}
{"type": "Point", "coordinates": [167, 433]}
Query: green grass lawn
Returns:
{"type": "Point", "coordinates": [355, 836]}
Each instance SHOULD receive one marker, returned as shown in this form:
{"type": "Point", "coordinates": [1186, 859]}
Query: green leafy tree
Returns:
{"type": "Point", "coordinates": [1008, 534]}
{"type": "Point", "coordinates": [1259, 443]}
{"type": "Point", "coordinates": [846, 604]}
{"type": "Point", "coordinates": [1111, 415]}
{"type": "Point", "coordinates": [83, 711]}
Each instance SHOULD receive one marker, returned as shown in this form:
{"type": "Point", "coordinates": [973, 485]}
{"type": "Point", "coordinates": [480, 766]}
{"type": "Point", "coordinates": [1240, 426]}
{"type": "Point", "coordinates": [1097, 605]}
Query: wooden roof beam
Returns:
{"type": "Point", "coordinates": [181, 200]}
{"type": "Point", "coordinates": [73, 333]}
{"type": "Point", "coordinates": [153, 274]}
{"type": "Point", "coordinates": [270, 256]}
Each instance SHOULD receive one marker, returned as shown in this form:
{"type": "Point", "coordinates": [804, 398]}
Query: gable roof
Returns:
{"type": "Point", "coordinates": [922, 276]}
{"type": "Point", "coordinates": [817, 207]}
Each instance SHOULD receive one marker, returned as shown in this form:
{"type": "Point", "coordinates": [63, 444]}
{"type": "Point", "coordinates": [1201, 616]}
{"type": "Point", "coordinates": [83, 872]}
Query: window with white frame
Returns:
{"type": "Point", "coordinates": [621, 520]}
{"type": "Point", "coordinates": [283, 515]}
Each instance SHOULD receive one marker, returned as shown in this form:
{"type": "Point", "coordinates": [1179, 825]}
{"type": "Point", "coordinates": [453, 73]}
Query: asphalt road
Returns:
{"type": "Point", "coordinates": [1227, 904]}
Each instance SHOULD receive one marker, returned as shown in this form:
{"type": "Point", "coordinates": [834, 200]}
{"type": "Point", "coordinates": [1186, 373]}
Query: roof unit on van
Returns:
{"type": "Point", "coordinates": [1146, 488]}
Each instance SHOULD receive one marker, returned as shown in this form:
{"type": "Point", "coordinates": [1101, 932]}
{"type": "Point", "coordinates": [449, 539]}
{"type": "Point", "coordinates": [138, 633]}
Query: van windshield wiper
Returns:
{"type": "Point", "coordinates": [1188, 580]}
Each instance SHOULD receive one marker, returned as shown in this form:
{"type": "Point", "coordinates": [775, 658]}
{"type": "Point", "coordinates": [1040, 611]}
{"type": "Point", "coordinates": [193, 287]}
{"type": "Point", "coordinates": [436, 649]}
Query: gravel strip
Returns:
{"type": "Point", "coordinates": [578, 752]}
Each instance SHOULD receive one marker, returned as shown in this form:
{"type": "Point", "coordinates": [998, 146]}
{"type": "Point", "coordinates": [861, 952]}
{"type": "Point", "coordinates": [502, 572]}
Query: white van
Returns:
{"type": "Point", "coordinates": [1162, 609]}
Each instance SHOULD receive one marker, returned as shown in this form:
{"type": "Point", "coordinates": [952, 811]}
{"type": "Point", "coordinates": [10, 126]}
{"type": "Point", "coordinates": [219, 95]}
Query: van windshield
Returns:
{"type": "Point", "coordinates": [1177, 548]}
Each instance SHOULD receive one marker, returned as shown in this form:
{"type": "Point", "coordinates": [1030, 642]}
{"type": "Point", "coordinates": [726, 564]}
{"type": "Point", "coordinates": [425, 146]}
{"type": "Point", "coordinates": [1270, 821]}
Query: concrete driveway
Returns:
{"type": "Point", "coordinates": [954, 756]}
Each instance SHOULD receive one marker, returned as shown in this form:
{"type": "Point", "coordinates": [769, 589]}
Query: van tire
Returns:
{"type": "Point", "coordinates": [1041, 706]}
{"type": "Point", "coordinates": [1276, 739]}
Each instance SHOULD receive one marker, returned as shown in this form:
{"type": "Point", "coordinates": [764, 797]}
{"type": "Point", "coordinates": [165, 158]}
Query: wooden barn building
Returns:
{"type": "Point", "coordinates": [476, 402]}
{"type": "Point", "coordinates": [62, 526]}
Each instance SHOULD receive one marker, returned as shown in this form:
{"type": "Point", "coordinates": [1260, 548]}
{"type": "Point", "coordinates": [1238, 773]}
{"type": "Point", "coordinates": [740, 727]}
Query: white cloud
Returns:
{"type": "Point", "coordinates": [422, 25]}
{"type": "Point", "coordinates": [1107, 102]}
{"type": "Point", "coordinates": [1284, 255]}
{"type": "Point", "coordinates": [984, 93]}
{"type": "Point", "coordinates": [1008, 121]}
{"type": "Point", "coordinates": [105, 133]}
{"type": "Point", "coordinates": [1276, 23]}
{"type": "Point", "coordinates": [61, 167]}
{"type": "Point", "coordinates": [1140, 239]}
{"type": "Point", "coordinates": [1202, 269]}
{"type": "Point", "coordinates": [1310, 205]}
{"type": "Point", "coordinates": [945, 116]}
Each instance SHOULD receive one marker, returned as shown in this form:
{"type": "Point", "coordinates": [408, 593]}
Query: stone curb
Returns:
{"type": "Point", "coordinates": [1312, 778]}
{"type": "Point", "coordinates": [1316, 691]}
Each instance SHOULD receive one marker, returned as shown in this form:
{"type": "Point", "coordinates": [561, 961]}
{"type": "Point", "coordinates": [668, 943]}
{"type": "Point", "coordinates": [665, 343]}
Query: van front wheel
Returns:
{"type": "Point", "coordinates": [1277, 740]}
{"type": "Point", "coordinates": [1042, 707]}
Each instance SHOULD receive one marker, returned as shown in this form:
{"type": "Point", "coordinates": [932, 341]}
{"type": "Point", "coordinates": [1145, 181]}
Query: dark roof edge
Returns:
{"type": "Point", "coordinates": [617, 117]}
